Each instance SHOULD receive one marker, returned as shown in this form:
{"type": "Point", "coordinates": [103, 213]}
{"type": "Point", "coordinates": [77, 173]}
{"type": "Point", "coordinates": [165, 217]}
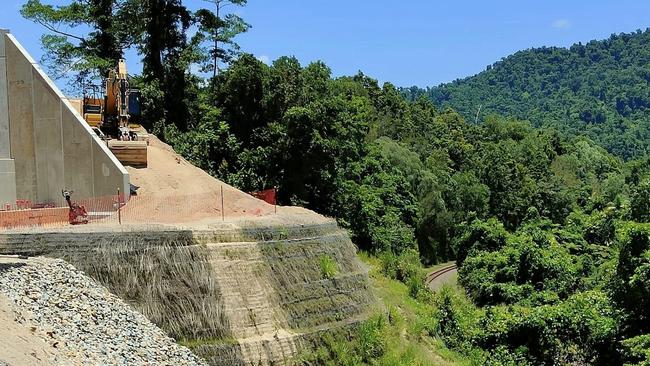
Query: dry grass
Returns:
{"type": "Point", "coordinates": [172, 284]}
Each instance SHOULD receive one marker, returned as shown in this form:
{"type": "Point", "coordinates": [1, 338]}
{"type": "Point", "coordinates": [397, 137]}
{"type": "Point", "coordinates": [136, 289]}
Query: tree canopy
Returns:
{"type": "Point", "coordinates": [599, 89]}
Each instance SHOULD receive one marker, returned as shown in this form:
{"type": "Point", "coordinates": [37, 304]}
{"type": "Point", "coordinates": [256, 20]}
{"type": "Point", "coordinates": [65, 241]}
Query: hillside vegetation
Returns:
{"type": "Point", "coordinates": [399, 333]}
{"type": "Point", "coordinates": [599, 89]}
{"type": "Point", "coordinates": [550, 230]}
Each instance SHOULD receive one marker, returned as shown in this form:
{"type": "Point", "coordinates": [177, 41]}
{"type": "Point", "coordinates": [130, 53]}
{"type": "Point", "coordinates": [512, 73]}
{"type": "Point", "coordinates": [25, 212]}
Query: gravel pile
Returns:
{"type": "Point", "coordinates": [85, 321]}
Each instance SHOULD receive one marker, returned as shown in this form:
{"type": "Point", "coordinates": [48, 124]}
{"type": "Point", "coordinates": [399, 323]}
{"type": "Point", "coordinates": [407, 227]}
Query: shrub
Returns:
{"type": "Point", "coordinates": [640, 203]}
{"type": "Point", "coordinates": [481, 235]}
{"type": "Point", "coordinates": [631, 283]}
{"type": "Point", "coordinates": [531, 268]}
{"type": "Point", "coordinates": [637, 350]}
{"type": "Point", "coordinates": [455, 319]}
{"type": "Point", "coordinates": [327, 266]}
{"type": "Point", "coordinates": [402, 267]}
{"type": "Point", "coordinates": [417, 288]}
{"type": "Point", "coordinates": [371, 338]}
{"type": "Point", "coordinates": [388, 262]}
{"type": "Point", "coordinates": [580, 330]}
{"type": "Point", "coordinates": [362, 346]}
{"type": "Point", "coordinates": [600, 228]}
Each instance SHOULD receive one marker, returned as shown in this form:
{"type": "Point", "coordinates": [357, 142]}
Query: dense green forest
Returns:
{"type": "Point", "coordinates": [599, 89]}
{"type": "Point", "coordinates": [550, 231]}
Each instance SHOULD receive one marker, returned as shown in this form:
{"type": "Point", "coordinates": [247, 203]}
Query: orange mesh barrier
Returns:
{"type": "Point", "coordinates": [267, 195]}
{"type": "Point", "coordinates": [143, 209]}
{"type": "Point", "coordinates": [35, 217]}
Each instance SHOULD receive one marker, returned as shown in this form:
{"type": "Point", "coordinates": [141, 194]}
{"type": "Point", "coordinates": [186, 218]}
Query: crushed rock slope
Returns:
{"type": "Point", "coordinates": [82, 320]}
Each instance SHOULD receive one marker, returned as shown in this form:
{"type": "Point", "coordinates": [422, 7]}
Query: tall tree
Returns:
{"type": "Point", "coordinates": [70, 48]}
{"type": "Point", "coordinates": [220, 30]}
{"type": "Point", "coordinates": [165, 26]}
{"type": "Point", "coordinates": [165, 67]}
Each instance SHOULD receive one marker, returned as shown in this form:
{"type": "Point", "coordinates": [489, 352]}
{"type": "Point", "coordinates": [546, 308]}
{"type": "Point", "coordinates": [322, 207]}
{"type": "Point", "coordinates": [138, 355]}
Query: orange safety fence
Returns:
{"type": "Point", "coordinates": [140, 209]}
{"type": "Point", "coordinates": [33, 217]}
{"type": "Point", "coordinates": [267, 195]}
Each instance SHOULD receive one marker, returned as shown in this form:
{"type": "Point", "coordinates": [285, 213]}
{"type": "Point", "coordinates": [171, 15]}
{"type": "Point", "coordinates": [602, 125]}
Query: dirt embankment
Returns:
{"type": "Point", "coordinates": [172, 190]}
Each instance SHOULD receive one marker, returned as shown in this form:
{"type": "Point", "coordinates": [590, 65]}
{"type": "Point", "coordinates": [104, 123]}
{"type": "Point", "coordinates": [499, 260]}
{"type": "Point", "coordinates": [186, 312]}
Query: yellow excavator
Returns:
{"type": "Point", "coordinates": [113, 111]}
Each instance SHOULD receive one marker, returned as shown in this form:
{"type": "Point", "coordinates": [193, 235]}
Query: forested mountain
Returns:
{"type": "Point", "coordinates": [599, 89]}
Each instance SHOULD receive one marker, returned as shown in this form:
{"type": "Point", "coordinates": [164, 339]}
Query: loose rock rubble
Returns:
{"type": "Point", "coordinates": [85, 321]}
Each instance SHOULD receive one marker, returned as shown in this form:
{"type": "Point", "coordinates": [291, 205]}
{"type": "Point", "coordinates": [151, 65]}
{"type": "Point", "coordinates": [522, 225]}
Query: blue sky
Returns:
{"type": "Point", "coordinates": [413, 42]}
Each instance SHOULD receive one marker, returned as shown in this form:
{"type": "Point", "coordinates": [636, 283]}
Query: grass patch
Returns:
{"type": "Point", "coordinates": [411, 317]}
{"type": "Point", "coordinates": [327, 266]}
{"type": "Point", "coordinates": [398, 333]}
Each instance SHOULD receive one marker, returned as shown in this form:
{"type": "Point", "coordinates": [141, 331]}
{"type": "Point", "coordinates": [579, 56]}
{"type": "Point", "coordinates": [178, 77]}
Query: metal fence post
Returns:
{"type": "Point", "coordinates": [119, 207]}
{"type": "Point", "coordinates": [223, 213]}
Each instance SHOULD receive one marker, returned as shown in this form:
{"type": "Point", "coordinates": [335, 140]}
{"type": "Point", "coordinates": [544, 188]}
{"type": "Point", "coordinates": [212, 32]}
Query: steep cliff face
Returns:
{"type": "Point", "coordinates": [240, 294]}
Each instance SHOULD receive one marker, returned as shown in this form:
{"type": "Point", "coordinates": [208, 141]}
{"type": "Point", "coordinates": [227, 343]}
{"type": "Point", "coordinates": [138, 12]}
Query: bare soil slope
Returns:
{"type": "Point", "coordinates": [174, 190]}
{"type": "Point", "coordinates": [19, 345]}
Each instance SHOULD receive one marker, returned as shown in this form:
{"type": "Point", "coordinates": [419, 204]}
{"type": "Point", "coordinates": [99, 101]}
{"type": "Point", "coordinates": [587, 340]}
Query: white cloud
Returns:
{"type": "Point", "coordinates": [561, 24]}
{"type": "Point", "coordinates": [265, 59]}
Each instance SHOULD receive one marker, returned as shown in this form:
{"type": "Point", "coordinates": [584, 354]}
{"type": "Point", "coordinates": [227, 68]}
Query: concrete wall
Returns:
{"type": "Point", "coordinates": [45, 140]}
{"type": "Point", "coordinates": [7, 165]}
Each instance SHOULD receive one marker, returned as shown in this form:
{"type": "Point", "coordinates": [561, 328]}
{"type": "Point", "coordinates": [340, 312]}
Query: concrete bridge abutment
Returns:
{"type": "Point", "coordinates": [45, 145]}
{"type": "Point", "coordinates": [7, 165]}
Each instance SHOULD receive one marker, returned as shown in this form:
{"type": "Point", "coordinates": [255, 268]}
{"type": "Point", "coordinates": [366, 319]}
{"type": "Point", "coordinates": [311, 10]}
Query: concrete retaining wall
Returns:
{"type": "Point", "coordinates": [45, 145]}
{"type": "Point", "coordinates": [7, 165]}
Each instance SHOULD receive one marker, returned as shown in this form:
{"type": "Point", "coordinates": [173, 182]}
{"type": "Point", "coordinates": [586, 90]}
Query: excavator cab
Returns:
{"type": "Point", "coordinates": [114, 114]}
{"type": "Point", "coordinates": [93, 106]}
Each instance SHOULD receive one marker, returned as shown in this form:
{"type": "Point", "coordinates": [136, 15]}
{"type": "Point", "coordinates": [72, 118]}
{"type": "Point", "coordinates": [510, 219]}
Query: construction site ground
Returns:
{"type": "Point", "coordinates": [173, 191]}
{"type": "Point", "coordinates": [24, 346]}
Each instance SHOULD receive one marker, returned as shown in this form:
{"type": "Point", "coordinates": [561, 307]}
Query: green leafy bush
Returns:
{"type": "Point", "coordinates": [401, 267]}
{"type": "Point", "coordinates": [455, 319]}
{"type": "Point", "coordinates": [636, 350]}
{"type": "Point", "coordinates": [640, 202]}
{"type": "Point", "coordinates": [480, 235]}
{"type": "Point", "coordinates": [531, 267]}
{"type": "Point", "coordinates": [574, 331]}
{"type": "Point", "coordinates": [371, 338]}
{"type": "Point", "coordinates": [362, 346]}
{"type": "Point", "coordinates": [631, 283]}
